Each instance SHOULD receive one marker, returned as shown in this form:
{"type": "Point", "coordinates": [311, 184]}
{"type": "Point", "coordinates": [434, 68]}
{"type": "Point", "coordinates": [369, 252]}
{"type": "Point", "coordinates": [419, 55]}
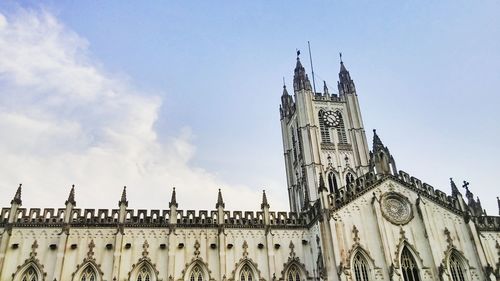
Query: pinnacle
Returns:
{"type": "Point", "coordinates": [173, 200]}
{"type": "Point", "coordinates": [322, 186]}
{"type": "Point", "coordinates": [264, 204]}
{"type": "Point", "coordinates": [220, 201]}
{"type": "Point", "coordinates": [17, 196]}
{"type": "Point", "coordinates": [377, 143]}
{"type": "Point", "coordinates": [123, 199]}
{"type": "Point", "coordinates": [71, 197]}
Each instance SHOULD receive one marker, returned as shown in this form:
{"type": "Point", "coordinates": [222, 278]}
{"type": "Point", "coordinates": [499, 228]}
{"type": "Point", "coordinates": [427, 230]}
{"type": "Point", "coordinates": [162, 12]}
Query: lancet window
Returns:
{"type": "Point", "coordinates": [246, 274]}
{"type": "Point", "coordinates": [293, 274]}
{"type": "Point", "coordinates": [349, 178]}
{"type": "Point", "coordinates": [325, 131]}
{"type": "Point", "coordinates": [144, 274]}
{"type": "Point", "coordinates": [196, 274]}
{"type": "Point", "coordinates": [30, 274]}
{"type": "Point", "coordinates": [332, 183]}
{"type": "Point", "coordinates": [360, 267]}
{"type": "Point", "coordinates": [409, 266]}
{"type": "Point", "coordinates": [88, 274]}
{"type": "Point", "coordinates": [456, 268]}
{"type": "Point", "coordinates": [341, 130]}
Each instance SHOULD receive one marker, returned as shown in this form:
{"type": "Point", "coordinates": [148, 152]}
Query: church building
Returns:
{"type": "Point", "coordinates": [354, 217]}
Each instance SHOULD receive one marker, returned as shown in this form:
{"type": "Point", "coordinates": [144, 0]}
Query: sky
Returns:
{"type": "Point", "coordinates": [185, 94]}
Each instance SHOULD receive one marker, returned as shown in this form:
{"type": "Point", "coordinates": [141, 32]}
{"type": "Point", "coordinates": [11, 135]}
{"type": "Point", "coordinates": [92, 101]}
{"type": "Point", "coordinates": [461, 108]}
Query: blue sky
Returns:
{"type": "Point", "coordinates": [195, 86]}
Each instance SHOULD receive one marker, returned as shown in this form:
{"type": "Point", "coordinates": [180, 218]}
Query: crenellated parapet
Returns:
{"type": "Point", "coordinates": [50, 217]}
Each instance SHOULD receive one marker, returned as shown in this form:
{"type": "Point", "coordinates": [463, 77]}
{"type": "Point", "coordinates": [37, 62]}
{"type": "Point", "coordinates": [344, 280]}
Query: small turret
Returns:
{"type": "Point", "coordinates": [15, 204]}
{"type": "Point", "coordinates": [123, 204]}
{"type": "Point", "coordinates": [381, 159]}
{"type": "Point", "coordinates": [173, 200]}
{"type": "Point", "coordinates": [71, 197]}
{"type": "Point", "coordinates": [220, 201]}
{"type": "Point", "coordinates": [123, 199]}
{"type": "Point", "coordinates": [287, 106]}
{"type": "Point", "coordinates": [17, 197]}
{"type": "Point", "coordinates": [345, 83]}
{"type": "Point", "coordinates": [454, 190]}
{"type": "Point", "coordinates": [300, 78]}
{"type": "Point", "coordinates": [264, 203]}
{"type": "Point", "coordinates": [265, 208]}
{"type": "Point", "coordinates": [474, 206]}
{"type": "Point", "coordinates": [70, 204]}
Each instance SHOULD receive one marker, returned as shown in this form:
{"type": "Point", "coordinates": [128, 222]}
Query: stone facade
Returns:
{"type": "Point", "coordinates": [354, 217]}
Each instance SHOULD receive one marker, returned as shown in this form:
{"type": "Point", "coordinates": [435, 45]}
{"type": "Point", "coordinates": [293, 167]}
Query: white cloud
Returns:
{"type": "Point", "coordinates": [65, 120]}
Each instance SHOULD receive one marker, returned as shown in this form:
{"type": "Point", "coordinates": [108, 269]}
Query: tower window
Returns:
{"type": "Point", "coordinates": [360, 266]}
{"type": "Point", "coordinates": [325, 131]}
{"type": "Point", "coordinates": [341, 130]}
{"type": "Point", "coordinates": [409, 266]}
{"type": "Point", "coordinates": [456, 268]}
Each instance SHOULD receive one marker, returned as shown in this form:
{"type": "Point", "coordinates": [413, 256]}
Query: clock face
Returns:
{"type": "Point", "coordinates": [331, 119]}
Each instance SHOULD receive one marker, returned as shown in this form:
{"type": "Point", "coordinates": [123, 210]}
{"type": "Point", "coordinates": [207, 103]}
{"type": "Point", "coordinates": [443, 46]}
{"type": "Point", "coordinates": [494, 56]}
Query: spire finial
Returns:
{"type": "Point", "coordinates": [220, 201]}
{"type": "Point", "coordinates": [123, 199]}
{"type": "Point", "coordinates": [173, 200]}
{"type": "Point", "coordinates": [71, 197]}
{"type": "Point", "coordinates": [264, 204]}
{"type": "Point", "coordinates": [17, 196]}
{"type": "Point", "coordinates": [325, 88]}
{"type": "Point", "coordinates": [298, 53]}
{"type": "Point", "coordinates": [340, 55]}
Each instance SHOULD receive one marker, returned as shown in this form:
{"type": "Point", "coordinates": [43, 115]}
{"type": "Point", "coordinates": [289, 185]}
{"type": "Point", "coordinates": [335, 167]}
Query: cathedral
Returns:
{"type": "Point", "coordinates": [353, 217]}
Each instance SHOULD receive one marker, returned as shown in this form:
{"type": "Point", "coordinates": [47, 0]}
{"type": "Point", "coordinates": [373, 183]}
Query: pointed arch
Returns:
{"type": "Point", "coordinates": [409, 267]}
{"type": "Point", "coordinates": [342, 136]}
{"type": "Point", "coordinates": [247, 269]}
{"type": "Point", "coordinates": [360, 264]}
{"type": "Point", "coordinates": [197, 270]}
{"type": "Point", "coordinates": [294, 270]}
{"type": "Point", "coordinates": [143, 271]}
{"type": "Point", "coordinates": [87, 271]}
{"type": "Point", "coordinates": [456, 265]}
{"type": "Point", "coordinates": [30, 271]}
{"type": "Point", "coordinates": [332, 182]}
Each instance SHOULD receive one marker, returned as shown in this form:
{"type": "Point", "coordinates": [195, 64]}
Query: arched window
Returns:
{"type": "Point", "coordinates": [341, 129]}
{"type": "Point", "coordinates": [325, 131]}
{"type": "Point", "coordinates": [196, 274]}
{"type": "Point", "coordinates": [332, 182]}
{"type": "Point", "coordinates": [88, 274]}
{"type": "Point", "coordinates": [456, 267]}
{"type": "Point", "coordinates": [409, 266]}
{"type": "Point", "coordinates": [144, 274]}
{"type": "Point", "coordinates": [360, 266]}
{"type": "Point", "coordinates": [293, 274]}
{"type": "Point", "coordinates": [246, 274]}
{"type": "Point", "coordinates": [349, 178]}
{"type": "Point", "coordinates": [30, 274]}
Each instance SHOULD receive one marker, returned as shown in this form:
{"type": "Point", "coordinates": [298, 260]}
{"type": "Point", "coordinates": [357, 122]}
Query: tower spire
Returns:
{"type": "Point", "coordinates": [71, 196]}
{"type": "Point", "coordinates": [381, 158]}
{"type": "Point", "coordinates": [173, 200]}
{"type": "Point", "coordinates": [17, 196]}
{"type": "Point", "coordinates": [220, 201]}
{"type": "Point", "coordinates": [377, 142]}
{"type": "Point", "coordinates": [123, 199]}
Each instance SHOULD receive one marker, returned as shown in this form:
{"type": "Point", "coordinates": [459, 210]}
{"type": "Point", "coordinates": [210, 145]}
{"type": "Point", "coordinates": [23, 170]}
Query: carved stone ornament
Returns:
{"type": "Point", "coordinates": [396, 208]}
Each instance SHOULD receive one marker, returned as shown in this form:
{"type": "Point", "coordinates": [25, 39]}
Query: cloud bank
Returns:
{"type": "Point", "coordinates": [65, 120]}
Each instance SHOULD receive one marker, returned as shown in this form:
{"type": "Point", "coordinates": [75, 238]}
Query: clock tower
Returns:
{"type": "Point", "coordinates": [323, 134]}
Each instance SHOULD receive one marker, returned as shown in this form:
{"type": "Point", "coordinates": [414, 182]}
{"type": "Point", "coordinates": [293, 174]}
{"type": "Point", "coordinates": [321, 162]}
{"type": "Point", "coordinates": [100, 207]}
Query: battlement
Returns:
{"type": "Point", "coordinates": [152, 218]}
